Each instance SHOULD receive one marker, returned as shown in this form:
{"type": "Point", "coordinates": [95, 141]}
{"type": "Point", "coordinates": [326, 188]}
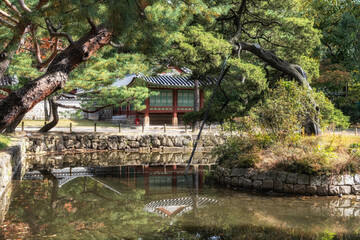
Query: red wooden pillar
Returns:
{"type": "Point", "coordinates": [201, 99]}
{"type": "Point", "coordinates": [175, 121]}
{"type": "Point", "coordinates": [147, 113]}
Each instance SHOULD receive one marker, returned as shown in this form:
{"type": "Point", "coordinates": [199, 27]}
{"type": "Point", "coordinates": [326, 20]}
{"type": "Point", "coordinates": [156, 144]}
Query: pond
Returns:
{"type": "Point", "coordinates": [159, 202]}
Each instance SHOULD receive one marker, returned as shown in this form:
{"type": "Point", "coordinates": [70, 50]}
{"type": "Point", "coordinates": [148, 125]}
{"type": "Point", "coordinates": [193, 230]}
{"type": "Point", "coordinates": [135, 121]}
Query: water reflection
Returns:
{"type": "Point", "coordinates": [157, 202]}
{"type": "Point", "coordinates": [117, 158]}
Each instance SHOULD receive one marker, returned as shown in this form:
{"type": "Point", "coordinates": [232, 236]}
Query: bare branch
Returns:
{"type": "Point", "coordinates": [116, 45]}
{"type": "Point", "coordinates": [98, 108]}
{"type": "Point", "coordinates": [7, 23]}
{"type": "Point", "coordinates": [53, 32]}
{"type": "Point", "coordinates": [82, 109]}
{"type": "Point", "coordinates": [5, 14]}
{"type": "Point", "coordinates": [24, 6]}
{"type": "Point", "coordinates": [36, 45]}
{"type": "Point", "coordinates": [237, 21]}
{"type": "Point", "coordinates": [52, 56]}
{"type": "Point", "coordinates": [12, 7]}
{"type": "Point", "coordinates": [92, 24]}
{"type": "Point", "coordinates": [271, 59]}
{"type": "Point", "coordinates": [41, 3]}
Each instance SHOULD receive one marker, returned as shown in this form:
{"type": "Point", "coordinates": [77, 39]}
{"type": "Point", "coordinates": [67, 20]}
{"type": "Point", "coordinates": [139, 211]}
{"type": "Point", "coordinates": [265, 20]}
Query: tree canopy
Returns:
{"type": "Point", "coordinates": [265, 40]}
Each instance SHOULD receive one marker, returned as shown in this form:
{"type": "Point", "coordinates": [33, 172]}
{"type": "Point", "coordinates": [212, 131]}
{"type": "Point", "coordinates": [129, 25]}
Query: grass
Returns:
{"type": "Point", "coordinates": [66, 123]}
{"type": "Point", "coordinates": [315, 155]}
{"type": "Point", "coordinates": [4, 141]}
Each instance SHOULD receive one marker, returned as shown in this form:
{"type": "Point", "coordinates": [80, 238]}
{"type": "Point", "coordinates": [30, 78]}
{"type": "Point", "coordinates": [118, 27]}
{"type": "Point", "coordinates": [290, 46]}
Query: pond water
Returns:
{"type": "Point", "coordinates": [157, 202]}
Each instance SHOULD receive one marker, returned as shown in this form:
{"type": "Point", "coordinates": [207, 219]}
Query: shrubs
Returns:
{"type": "Point", "coordinates": [326, 154]}
{"type": "Point", "coordinates": [237, 152]}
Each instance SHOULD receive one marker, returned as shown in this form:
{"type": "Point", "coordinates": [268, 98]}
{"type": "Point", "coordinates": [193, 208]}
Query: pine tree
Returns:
{"type": "Point", "coordinates": [130, 26]}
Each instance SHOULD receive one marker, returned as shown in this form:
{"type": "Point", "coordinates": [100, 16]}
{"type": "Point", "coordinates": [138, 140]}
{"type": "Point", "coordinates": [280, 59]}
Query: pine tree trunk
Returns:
{"type": "Point", "coordinates": [21, 101]}
{"type": "Point", "coordinates": [12, 127]}
{"type": "Point", "coordinates": [55, 117]}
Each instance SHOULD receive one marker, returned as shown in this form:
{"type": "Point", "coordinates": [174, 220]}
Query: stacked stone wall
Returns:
{"type": "Point", "coordinates": [48, 143]}
{"type": "Point", "coordinates": [292, 183]}
{"type": "Point", "coordinates": [11, 163]}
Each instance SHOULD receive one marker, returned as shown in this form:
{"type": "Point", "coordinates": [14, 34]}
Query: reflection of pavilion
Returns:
{"type": "Point", "coordinates": [177, 206]}
{"type": "Point", "coordinates": [155, 180]}
{"type": "Point", "coordinates": [159, 180]}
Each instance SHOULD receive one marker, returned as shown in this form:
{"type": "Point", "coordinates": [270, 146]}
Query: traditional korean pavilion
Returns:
{"type": "Point", "coordinates": [176, 96]}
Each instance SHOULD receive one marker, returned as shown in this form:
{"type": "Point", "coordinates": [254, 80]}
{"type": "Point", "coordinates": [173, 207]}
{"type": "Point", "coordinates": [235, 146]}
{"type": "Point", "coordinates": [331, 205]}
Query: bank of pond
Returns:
{"type": "Point", "coordinates": [84, 197]}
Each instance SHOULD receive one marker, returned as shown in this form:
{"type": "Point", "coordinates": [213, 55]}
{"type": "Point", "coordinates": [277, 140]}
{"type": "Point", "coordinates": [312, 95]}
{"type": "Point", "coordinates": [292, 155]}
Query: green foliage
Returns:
{"type": "Point", "coordinates": [243, 87]}
{"type": "Point", "coordinates": [237, 152]}
{"type": "Point", "coordinates": [4, 141]}
{"type": "Point", "coordinates": [288, 107]}
{"type": "Point", "coordinates": [339, 78]}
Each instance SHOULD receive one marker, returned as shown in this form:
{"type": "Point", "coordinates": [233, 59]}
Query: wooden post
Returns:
{"type": "Point", "coordinates": [356, 133]}
{"type": "Point", "coordinates": [143, 127]}
{"type": "Point", "coordinates": [185, 128]}
{"type": "Point", "coordinates": [209, 127]}
{"type": "Point", "coordinates": [164, 127]}
{"type": "Point", "coordinates": [22, 126]}
{"type": "Point", "coordinates": [70, 127]}
{"type": "Point", "coordinates": [95, 127]}
{"type": "Point", "coordinates": [119, 127]}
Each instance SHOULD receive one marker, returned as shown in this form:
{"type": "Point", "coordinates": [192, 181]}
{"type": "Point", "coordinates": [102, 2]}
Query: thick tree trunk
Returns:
{"type": "Point", "coordinates": [21, 101]}
{"type": "Point", "coordinates": [55, 117]}
{"type": "Point", "coordinates": [295, 71]}
{"type": "Point", "coordinates": [8, 53]}
{"type": "Point", "coordinates": [12, 127]}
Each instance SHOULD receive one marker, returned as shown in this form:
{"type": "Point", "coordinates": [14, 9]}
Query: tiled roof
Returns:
{"type": "Point", "coordinates": [176, 206]}
{"type": "Point", "coordinates": [6, 80]}
{"type": "Point", "coordinates": [178, 81]}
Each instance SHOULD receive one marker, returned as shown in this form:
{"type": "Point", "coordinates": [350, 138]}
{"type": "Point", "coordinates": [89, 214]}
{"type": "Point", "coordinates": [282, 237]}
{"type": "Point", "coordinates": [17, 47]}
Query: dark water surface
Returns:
{"type": "Point", "coordinates": [157, 202]}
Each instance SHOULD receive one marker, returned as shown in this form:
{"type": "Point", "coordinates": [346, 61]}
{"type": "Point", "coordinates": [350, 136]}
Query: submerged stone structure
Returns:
{"type": "Point", "coordinates": [291, 183]}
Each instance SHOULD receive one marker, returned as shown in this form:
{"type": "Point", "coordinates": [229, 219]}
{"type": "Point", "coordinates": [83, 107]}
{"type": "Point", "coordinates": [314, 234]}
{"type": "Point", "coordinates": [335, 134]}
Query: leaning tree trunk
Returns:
{"type": "Point", "coordinates": [55, 116]}
{"type": "Point", "coordinates": [10, 50]}
{"type": "Point", "coordinates": [311, 126]}
{"type": "Point", "coordinates": [12, 127]}
{"type": "Point", "coordinates": [21, 101]}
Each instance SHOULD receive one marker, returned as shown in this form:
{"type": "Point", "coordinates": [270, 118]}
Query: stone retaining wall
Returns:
{"type": "Point", "coordinates": [116, 158]}
{"type": "Point", "coordinates": [11, 163]}
{"type": "Point", "coordinates": [292, 183]}
{"type": "Point", "coordinates": [45, 143]}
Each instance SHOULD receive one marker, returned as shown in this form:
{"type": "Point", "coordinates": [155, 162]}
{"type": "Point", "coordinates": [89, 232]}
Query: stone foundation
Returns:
{"type": "Point", "coordinates": [47, 143]}
{"type": "Point", "coordinates": [291, 183]}
{"type": "Point", "coordinates": [11, 163]}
